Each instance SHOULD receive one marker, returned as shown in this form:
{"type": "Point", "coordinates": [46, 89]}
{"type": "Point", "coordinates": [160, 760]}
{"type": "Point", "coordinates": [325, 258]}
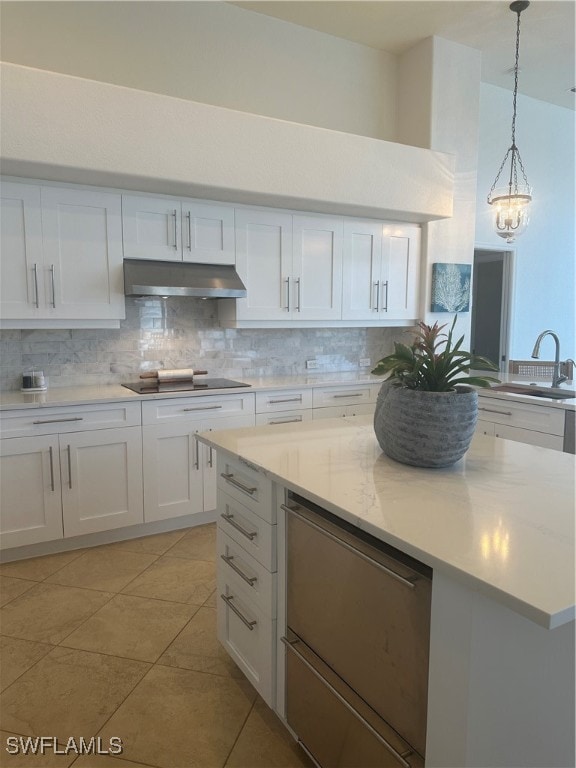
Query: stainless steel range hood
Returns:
{"type": "Point", "coordinates": [143, 277]}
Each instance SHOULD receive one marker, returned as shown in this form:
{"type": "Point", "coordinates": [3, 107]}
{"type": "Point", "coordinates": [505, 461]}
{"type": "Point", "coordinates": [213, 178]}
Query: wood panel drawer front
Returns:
{"type": "Point", "coordinates": [197, 408]}
{"type": "Point", "coordinates": [247, 485]}
{"type": "Point", "coordinates": [338, 396]}
{"type": "Point", "coordinates": [248, 577]}
{"type": "Point", "coordinates": [271, 402]}
{"type": "Point", "coordinates": [540, 418]}
{"type": "Point", "coordinates": [254, 534]}
{"type": "Point", "coordinates": [45, 421]}
{"type": "Point", "coordinates": [247, 635]}
{"type": "Point", "coordinates": [283, 417]}
{"type": "Point", "coordinates": [362, 409]}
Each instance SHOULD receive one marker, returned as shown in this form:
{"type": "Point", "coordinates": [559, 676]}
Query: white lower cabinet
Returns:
{"type": "Point", "coordinates": [30, 492]}
{"type": "Point", "coordinates": [101, 480]}
{"type": "Point", "coordinates": [247, 572]}
{"type": "Point", "coordinates": [179, 472]}
{"type": "Point", "coordinates": [522, 422]}
{"type": "Point", "coordinates": [333, 412]}
{"type": "Point", "coordinates": [69, 483]}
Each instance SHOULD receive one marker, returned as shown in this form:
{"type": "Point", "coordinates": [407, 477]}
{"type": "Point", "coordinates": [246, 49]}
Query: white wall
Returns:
{"type": "Point", "coordinates": [211, 52]}
{"type": "Point", "coordinates": [544, 281]}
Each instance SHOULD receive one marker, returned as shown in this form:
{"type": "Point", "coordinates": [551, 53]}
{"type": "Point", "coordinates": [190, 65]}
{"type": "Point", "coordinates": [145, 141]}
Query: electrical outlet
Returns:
{"type": "Point", "coordinates": [310, 364]}
{"type": "Point", "coordinates": [364, 362]}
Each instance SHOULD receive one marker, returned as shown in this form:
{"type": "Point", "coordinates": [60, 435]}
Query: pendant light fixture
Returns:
{"type": "Point", "coordinates": [511, 203]}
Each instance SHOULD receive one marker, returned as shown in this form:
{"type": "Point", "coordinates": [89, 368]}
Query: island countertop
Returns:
{"type": "Point", "coordinates": [500, 521]}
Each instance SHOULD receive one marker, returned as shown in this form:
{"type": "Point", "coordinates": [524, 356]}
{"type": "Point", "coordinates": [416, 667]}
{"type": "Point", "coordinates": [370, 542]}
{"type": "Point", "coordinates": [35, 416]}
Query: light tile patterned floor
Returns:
{"type": "Point", "coordinates": [120, 640]}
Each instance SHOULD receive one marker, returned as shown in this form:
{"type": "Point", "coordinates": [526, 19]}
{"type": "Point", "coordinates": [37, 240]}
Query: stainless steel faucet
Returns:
{"type": "Point", "coordinates": [557, 377]}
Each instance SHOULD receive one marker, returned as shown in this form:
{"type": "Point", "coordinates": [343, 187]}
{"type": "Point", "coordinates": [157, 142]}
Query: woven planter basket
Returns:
{"type": "Point", "coordinates": [425, 429]}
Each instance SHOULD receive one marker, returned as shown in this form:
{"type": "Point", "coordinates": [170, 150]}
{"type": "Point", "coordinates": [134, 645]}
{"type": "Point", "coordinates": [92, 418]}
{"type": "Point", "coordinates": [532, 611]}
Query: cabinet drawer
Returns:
{"type": "Point", "coordinates": [44, 421]}
{"type": "Point", "coordinates": [283, 417]}
{"type": "Point", "coordinates": [248, 577]}
{"type": "Point", "coordinates": [247, 485]}
{"type": "Point", "coordinates": [289, 400]}
{"type": "Point", "coordinates": [540, 418]}
{"type": "Point", "coordinates": [249, 530]}
{"type": "Point", "coordinates": [198, 407]}
{"type": "Point", "coordinates": [362, 409]}
{"type": "Point", "coordinates": [530, 436]}
{"type": "Point", "coordinates": [338, 396]}
{"type": "Point", "coordinates": [248, 636]}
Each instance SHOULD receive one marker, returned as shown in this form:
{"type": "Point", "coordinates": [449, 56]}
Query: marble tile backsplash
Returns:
{"type": "Point", "coordinates": [177, 333]}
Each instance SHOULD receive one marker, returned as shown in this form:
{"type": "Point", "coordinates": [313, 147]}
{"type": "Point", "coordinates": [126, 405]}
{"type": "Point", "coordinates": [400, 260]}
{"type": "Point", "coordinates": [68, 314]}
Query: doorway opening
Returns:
{"type": "Point", "coordinates": [491, 305]}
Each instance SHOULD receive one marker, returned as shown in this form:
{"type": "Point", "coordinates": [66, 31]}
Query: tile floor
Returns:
{"type": "Point", "coordinates": [120, 640]}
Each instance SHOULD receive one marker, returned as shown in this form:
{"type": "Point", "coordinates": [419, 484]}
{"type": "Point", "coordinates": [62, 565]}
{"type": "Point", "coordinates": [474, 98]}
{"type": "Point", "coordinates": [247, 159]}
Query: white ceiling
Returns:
{"type": "Point", "coordinates": [547, 50]}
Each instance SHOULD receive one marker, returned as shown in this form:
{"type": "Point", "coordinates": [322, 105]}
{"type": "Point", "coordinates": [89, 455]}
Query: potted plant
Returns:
{"type": "Point", "coordinates": [427, 408]}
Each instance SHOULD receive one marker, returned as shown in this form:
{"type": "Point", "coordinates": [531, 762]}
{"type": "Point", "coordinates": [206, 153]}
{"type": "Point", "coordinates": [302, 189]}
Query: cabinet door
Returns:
{"type": "Point", "coordinates": [317, 268]}
{"type": "Point", "coordinates": [362, 285]}
{"type": "Point", "coordinates": [401, 272]}
{"type": "Point", "coordinates": [151, 228]}
{"type": "Point", "coordinates": [101, 480]}
{"type": "Point", "coordinates": [21, 287]}
{"type": "Point", "coordinates": [264, 263]}
{"type": "Point", "coordinates": [30, 492]}
{"type": "Point", "coordinates": [82, 240]}
{"type": "Point", "coordinates": [173, 469]}
{"type": "Point", "coordinates": [208, 233]}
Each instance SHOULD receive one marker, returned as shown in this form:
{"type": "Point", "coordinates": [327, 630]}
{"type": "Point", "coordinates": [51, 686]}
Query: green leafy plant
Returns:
{"type": "Point", "coordinates": [424, 365]}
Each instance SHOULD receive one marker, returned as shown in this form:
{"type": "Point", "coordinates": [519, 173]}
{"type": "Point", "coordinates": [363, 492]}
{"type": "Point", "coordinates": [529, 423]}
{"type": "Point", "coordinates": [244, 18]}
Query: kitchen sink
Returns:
{"type": "Point", "coordinates": [535, 391]}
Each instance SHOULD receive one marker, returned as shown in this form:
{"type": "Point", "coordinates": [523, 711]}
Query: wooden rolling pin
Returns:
{"type": "Point", "coordinates": [174, 374]}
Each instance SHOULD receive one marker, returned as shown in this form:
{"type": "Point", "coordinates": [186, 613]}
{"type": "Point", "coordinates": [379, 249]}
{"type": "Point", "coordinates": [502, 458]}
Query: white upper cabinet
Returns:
{"type": "Point", "coordinates": [264, 263]}
{"type": "Point", "coordinates": [363, 276]}
{"type": "Point", "coordinates": [381, 271]}
{"type": "Point", "coordinates": [317, 267]}
{"type": "Point", "coordinates": [291, 266]}
{"type": "Point", "coordinates": [82, 254]}
{"type": "Point", "coordinates": [61, 256]}
{"type": "Point", "coordinates": [169, 229]}
{"type": "Point", "coordinates": [21, 282]}
{"type": "Point", "coordinates": [401, 253]}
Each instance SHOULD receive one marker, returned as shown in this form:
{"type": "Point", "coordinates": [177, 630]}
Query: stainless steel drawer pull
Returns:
{"type": "Point", "coordinates": [400, 757]}
{"type": "Point", "coordinates": [204, 408]}
{"type": "Point", "coordinates": [350, 394]}
{"type": "Point", "coordinates": [228, 600]}
{"type": "Point", "coordinates": [285, 421]}
{"type": "Point", "coordinates": [494, 410]}
{"type": "Point", "coordinates": [385, 307]}
{"type": "Point", "coordinates": [287, 281]}
{"type": "Point", "coordinates": [287, 400]}
{"type": "Point", "coordinates": [189, 220]}
{"type": "Point", "coordinates": [377, 302]}
{"type": "Point", "coordinates": [230, 519]}
{"type": "Point", "coordinates": [229, 477]}
{"type": "Point", "coordinates": [229, 559]}
{"type": "Point", "coordinates": [210, 457]}
{"type": "Point", "coordinates": [51, 452]}
{"type": "Point", "coordinates": [55, 421]}
{"type": "Point", "coordinates": [53, 286]}
{"type": "Point", "coordinates": [402, 579]}
{"type": "Point", "coordinates": [297, 281]}
{"type": "Point", "coordinates": [36, 294]}
{"type": "Point", "coordinates": [175, 215]}
{"type": "Point", "coordinates": [69, 466]}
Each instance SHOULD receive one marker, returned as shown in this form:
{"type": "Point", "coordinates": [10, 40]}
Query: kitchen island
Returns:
{"type": "Point", "coordinates": [497, 530]}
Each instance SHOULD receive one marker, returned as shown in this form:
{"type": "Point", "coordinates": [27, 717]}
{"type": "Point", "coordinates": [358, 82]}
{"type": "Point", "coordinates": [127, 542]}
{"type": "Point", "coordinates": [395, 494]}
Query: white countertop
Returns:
{"type": "Point", "coordinates": [501, 520]}
{"type": "Point", "coordinates": [61, 396]}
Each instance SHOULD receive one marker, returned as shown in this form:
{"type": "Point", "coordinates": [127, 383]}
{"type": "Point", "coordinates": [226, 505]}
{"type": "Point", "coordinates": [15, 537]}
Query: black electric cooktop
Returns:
{"type": "Point", "coordinates": [152, 386]}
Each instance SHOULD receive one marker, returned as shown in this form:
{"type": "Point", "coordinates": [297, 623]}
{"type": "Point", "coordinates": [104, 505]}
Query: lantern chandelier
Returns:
{"type": "Point", "coordinates": [511, 203]}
